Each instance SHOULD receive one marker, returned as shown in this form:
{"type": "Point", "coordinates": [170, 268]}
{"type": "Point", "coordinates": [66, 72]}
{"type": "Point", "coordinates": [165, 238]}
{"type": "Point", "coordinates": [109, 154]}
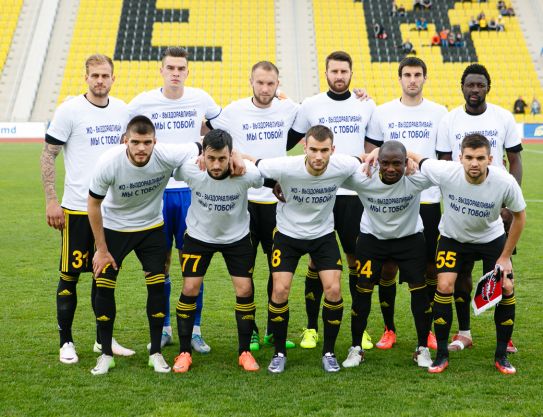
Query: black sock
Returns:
{"type": "Point", "coordinates": [360, 313]}
{"type": "Point", "coordinates": [442, 321]}
{"type": "Point", "coordinates": [278, 317]}
{"type": "Point", "coordinates": [462, 301]}
{"type": "Point", "coordinates": [313, 295]}
{"type": "Point", "coordinates": [156, 309]}
{"type": "Point", "coordinates": [66, 305]}
{"type": "Point", "coordinates": [332, 313]}
{"type": "Point", "coordinates": [504, 318]}
{"type": "Point", "coordinates": [420, 308]}
{"type": "Point", "coordinates": [105, 311]}
{"type": "Point", "coordinates": [353, 280]}
{"type": "Point", "coordinates": [387, 299]}
{"type": "Point", "coordinates": [185, 312]}
{"type": "Point", "coordinates": [245, 317]}
{"type": "Point", "coordinates": [93, 304]}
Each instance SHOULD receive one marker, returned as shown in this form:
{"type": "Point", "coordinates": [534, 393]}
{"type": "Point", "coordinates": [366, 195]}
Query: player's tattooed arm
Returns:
{"type": "Point", "coordinates": [53, 211]}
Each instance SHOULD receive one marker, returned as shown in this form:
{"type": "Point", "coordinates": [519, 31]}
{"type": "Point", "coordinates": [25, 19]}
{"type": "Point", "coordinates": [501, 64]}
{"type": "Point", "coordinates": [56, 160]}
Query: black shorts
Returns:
{"type": "Point", "coordinates": [77, 243]}
{"type": "Point", "coordinates": [431, 215]}
{"type": "Point", "coordinates": [451, 255]}
{"type": "Point", "coordinates": [287, 251]}
{"type": "Point", "coordinates": [262, 224]}
{"type": "Point", "coordinates": [149, 246]}
{"type": "Point", "coordinates": [347, 214]}
{"type": "Point", "coordinates": [407, 252]}
{"type": "Point", "coordinates": [196, 256]}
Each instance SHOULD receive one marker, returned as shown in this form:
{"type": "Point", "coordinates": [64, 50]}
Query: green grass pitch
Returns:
{"type": "Point", "coordinates": [34, 383]}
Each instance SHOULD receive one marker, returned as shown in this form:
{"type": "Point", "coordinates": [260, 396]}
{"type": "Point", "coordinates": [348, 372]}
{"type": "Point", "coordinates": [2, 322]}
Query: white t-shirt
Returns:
{"type": "Point", "coordinates": [133, 195]}
{"type": "Point", "coordinates": [261, 133]}
{"type": "Point", "coordinates": [87, 132]}
{"type": "Point", "coordinates": [348, 119]}
{"type": "Point", "coordinates": [218, 212]}
{"type": "Point", "coordinates": [414, 126]}
{"type": "Point", "coordinates": [471, 212]}
{"type": "Point", "coordinates": [308, 211]}
{"type": "Point", "coordinates": [175, 120]}
{"type": "Point", "coordinates": [391, 211]}
{"type": "Point", "coordinates": [496, 124]}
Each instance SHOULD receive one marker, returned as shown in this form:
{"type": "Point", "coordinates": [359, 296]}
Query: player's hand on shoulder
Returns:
{"type": "Point", "coordinates": [200, 162]}
{"type": "Point", "coordinates": [101, 260]}
{"type": "Point", "coordinates": [411, 168]}
{"type": "Point", "coordinates": [54, 215]}
{"type": "Point", "coordinates": [278, 192]}
{"type": "Point", "coordinates": [361, 94]}
{"type": "Point", "coordinates": [237, 165]}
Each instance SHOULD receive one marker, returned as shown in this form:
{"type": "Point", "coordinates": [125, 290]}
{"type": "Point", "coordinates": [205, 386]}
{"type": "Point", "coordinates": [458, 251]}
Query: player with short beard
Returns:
{"type": "Point", "coordinates": [348, 118]}
{"type": "Point", "coordinates": [84, 126]}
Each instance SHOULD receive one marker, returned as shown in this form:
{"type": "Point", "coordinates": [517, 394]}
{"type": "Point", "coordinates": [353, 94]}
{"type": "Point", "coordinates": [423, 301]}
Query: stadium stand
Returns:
{"type": "Point", "coordinates": [349, 26]}
{"type": "Point", "coordinates": [8, 22]}
{"type": "Point", "coordinates": [224, 39]}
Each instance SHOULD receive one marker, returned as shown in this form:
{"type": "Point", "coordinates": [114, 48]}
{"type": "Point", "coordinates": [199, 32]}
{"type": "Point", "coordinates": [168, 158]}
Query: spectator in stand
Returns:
{"type": "Point", "coordinates": [483, 24]}
{"type": "Point", "coordinates": [473, 24]}
{"type": "Point", "coordinates": [492, 25]}
{"type": "Point", "coordinates": [451, 40]}
{"type": "Point", "coordinates": [426, 4]}
{"type": "Point", "coordinates": [401, 10]}
{"type": "Point", "coordinates": [436, 41]}
{"type": "Point", "coordinates": [459, 40]}
{"type": "Point", "coordinates": [380, 32]}
{"type": "Point", "coordinates": [501, 5]}
{"type": "Point", "coordinates": [407, 48]}
{"type": "Point", "coordinates": [443, 35]}
{"type": "Point", "coordinates": [520, 106]}
{"type": "Point", "coordinates": [417, 4]}
{"type": "Point", "coordinates": [507, 11]}
{"type": "Point", "coordinates": [535, 107]}
{"type": "Point", "coordinates": [421, 23]}
{"type": "Point", "coordinates": [500, 27]}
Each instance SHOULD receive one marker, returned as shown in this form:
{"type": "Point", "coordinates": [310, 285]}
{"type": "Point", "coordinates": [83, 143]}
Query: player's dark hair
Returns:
{"type": "Point", "coordinates": [393, 145]}
{"type": "Point", "coordinates": [412, 61]}
{"type": "Point", "coordinates": [339, 56]}
{"type": "Point", "coordinates": [98, 59]}
{"type": "Point", "coordinates": [140, 125]}
{"type": "Point", "coordinates": [320, 133]}
{"type": "Point", "coordinates": [176, 52]}
{"type": "Point", "coordinates": [266, 66]}
{"type": "Point", "coordinates": [475, 141]}
{"type": "Point", "coordinates": [476, 69]}
{"type": "Point", "coordinates": [217, 139]}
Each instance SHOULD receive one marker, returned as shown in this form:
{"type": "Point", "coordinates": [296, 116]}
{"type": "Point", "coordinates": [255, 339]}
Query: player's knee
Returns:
{"type": "Point", "coordinates": [388, 273]}
{"type": "Point", "coordinates": [280, 292]}
{"type": "Point", "coordinates": [244, 289]}
{"type": "Point", "coordinates": [332, 291]}
{"type": "Point", "coordinates": [508, 286]}
{"type": "Point", "coordinates": [191, 286]}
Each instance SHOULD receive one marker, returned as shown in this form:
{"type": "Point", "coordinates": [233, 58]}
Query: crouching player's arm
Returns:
{"type": "Point", "coordinates": [519, 220]}
{"type": "Point", "coordinates": [102, 257]}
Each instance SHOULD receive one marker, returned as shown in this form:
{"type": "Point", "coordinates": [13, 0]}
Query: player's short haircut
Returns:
{"type": "Point", "coordinates": [476, 69]}
{"type": "Point", "coordinates": [475, 141]}
{"type": "Point", "coordinates": [393, 145]}
{"type": "Point", "coordinates": [320, 133]}
{"type": "Point", "coordinates": [412, 61]}
{"type": "Point", "coordinates": [176, 52]}
{"type": "Point", "coordinates": [140, 125]}
{"type": "Point", "coordinates": [98, 59]}
{"type": "Point", "coordinates": [339, 56]}
{"type": "Point", "coordinates": [217, 139]}
{"type": "Point", "coordinates": [266, 66]}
